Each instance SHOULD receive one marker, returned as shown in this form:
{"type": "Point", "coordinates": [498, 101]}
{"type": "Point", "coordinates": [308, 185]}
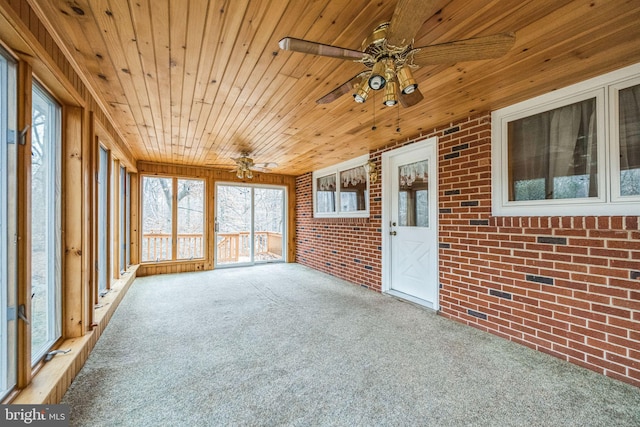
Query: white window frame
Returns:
{"type": "Point", "coordinates": [128, 220]}
{"type": "Point", "coordinates": [335, 170]}
{"type": "Point", "coordinates": [614, 113]}
{"type": "Point", "coordinates": [54, 269]}
{"type": "Point", "coordinates": [122, 222]}
{"type": "Point", "coordinates": [604, 88]}
{"type": "Point", "coordinates": [4, 279]}
{"type": "Point", "coordinates": [252, 200]}
{"type": "Point", "coordinates": [103, 225]}
{"type": "Point", "coordinates": [8, 136]}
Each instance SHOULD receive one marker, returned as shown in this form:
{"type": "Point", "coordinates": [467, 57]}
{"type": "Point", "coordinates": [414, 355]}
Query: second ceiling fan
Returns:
{"type": "Point", "coordinates": [389, 56]}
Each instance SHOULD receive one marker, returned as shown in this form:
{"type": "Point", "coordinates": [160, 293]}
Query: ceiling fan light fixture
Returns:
{"type": "Point", "coordinates": [407, 82]}
{"type": "Point", "coordinates": [249, 174]}
{"type": "Point", "coordinates": [362, 93]}
{"type": "Point", "coordinates": [390, 98]}
{"type": "Point", "coordinates": [377, 80]}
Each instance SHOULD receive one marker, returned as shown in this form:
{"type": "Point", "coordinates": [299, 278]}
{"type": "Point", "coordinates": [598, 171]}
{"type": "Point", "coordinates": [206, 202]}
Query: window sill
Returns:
{"type": "Point", "coordinates": [171, 261]}
{"type": "Point", "coordinates": [351, 220]}
{"type": "Point", "coordinates": [52, 380]}
{"type": "Point", "coordinates": [568, 208]}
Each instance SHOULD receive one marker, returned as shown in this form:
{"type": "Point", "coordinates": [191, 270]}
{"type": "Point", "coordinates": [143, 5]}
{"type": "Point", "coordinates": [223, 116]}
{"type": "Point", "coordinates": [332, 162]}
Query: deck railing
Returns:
{"type": "Point", "coordinates": [157, 246]}
{"type": "Point", "coordinates": [231, 247]}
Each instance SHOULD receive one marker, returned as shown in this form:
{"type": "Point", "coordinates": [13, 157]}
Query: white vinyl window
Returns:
{"type": "Point", "coordinates": [103, 226]}
{"type": "Point", "coordinates": [575, 151]}
{"type": "Point", "coordinates": [128, 219]}
{"type": "Point", "coordinates": [342, 190]}
{"type": "Point", "coordinates": [46, 312]}
{"type": "Point", "coordinates": [122, 222]}
{"type": "Point", "coordinates": [114, 178]}
{"type": "Point", "coordinates": [8, 224]}
{"type": "Point", "coordinates": [625, 129]}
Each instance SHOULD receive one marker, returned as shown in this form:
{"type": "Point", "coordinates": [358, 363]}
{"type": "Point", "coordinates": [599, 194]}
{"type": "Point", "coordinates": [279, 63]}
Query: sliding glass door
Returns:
{"type": "Point", "coordinates": [250, 224]}
{"type": "Point", "coordinates": [268, 224]}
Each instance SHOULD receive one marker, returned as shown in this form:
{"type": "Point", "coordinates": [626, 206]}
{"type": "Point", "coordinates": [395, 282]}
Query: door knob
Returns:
{"type": "Point", "coordinates": [393, 233]}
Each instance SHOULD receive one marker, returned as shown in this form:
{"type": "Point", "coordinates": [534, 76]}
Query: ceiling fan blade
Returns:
{"type": "Point", "coordinates": [407, 19]}
{"type": "Point", "coordinates": [411, 99]}
{"type": "Point", "coordinates": [260, 169]}
{"type": "Point", "coordinates": [304, 46]}
{"type": "Point", "coordinates": [266, 165]}
{"type": "Point", "coordinates": [487, 47]}
{"type": "Point", "coordinates": [346, 87]}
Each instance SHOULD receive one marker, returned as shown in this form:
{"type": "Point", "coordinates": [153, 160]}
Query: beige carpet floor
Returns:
{"type": "Point", "coordinates": [283, 345]}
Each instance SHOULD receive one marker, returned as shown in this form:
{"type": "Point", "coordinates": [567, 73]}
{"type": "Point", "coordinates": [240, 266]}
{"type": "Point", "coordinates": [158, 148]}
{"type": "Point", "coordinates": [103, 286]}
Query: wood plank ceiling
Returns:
{"type": "Point", "coordinates": [196, 82]}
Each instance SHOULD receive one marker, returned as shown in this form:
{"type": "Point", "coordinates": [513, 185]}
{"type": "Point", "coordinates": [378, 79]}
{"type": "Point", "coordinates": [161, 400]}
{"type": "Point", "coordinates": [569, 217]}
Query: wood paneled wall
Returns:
{"type": "Point", "coordinates": [211, 177]}
{"type": "Point", "coordinates": [40, 58]}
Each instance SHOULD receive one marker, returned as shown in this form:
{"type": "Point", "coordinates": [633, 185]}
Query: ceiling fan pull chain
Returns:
{"type": "Point", "coordinates": [373, 107]}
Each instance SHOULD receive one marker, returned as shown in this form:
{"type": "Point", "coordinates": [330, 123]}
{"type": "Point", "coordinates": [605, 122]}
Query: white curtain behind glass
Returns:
{"type": "Point", "coordinates": [553, 154]}
{"type": "Point", "coordinates": [326, 194]}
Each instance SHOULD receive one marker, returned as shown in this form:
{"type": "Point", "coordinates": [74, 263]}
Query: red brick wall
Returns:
{"type": "Point", "coordinates": [568, 286]}
{"type": "Point", "coordinates": [348, 248]}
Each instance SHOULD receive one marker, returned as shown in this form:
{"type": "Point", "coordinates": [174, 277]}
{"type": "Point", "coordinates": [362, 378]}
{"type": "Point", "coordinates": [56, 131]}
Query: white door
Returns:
{"type": "Point", "coordinates": [410, 258]}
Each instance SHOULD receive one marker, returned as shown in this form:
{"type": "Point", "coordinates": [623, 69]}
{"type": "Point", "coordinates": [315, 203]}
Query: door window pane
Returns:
{"type": "Point", "coordinates": [8, 218]}
{"type": "Point", "coordinates": [553, 155]}
{"type": "Point", "coordinates": [629, 131]}
{"type": "Point", "coordinates": [268, 223]}
{"type": "Point", "coordinates": [233, 224]}
{"type": "Point", "coordinates": [157, 200]}
{"type": "Point", "coordinates": [413, 195]}
{"type": "Point", "coordinates": [353, 190]}
{"type": "Point", "coordinates": [45, 224]}
{"type": "Point", "coordinates": [326, 194]}
{"type": "Point", "coordinates": [190, 218]}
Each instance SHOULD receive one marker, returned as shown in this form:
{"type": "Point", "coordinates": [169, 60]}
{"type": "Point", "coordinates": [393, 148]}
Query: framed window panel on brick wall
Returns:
{"type": "Point", "coordinates": [342, 190]}
{"type": "Point", "coordinates": [575, 151]}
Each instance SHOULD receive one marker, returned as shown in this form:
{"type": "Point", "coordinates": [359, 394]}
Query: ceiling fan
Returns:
{"type": "Point", "coordinates": [245, 166]}
{"type": "Point", "coordinates": [389, 56]}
